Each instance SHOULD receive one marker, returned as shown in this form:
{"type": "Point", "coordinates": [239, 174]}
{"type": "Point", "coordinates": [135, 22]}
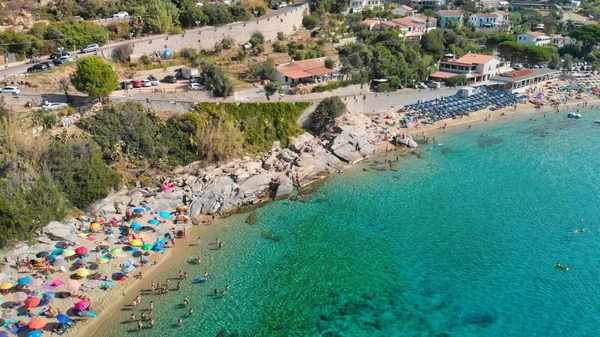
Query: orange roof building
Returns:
{"type": "Point", "coordinates": [305, 71]}
{"type": "Point", "coordinates": [477, 67]}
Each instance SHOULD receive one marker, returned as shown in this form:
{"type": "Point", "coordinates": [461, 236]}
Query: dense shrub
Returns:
{"type": "Point", "coordinates": [325, 114]}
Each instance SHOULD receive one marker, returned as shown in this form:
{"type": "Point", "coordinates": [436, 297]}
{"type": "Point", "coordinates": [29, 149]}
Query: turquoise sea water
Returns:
{"type": "Point", "coordinates": [462, 247]}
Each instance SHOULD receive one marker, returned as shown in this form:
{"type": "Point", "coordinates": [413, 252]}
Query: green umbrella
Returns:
{"type": "Point", "coordinates": [147, 246]}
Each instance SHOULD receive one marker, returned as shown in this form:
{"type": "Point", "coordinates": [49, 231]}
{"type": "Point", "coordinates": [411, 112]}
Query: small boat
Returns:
{"type": "Point", "coordinates": [193, 260]}
{"type": "Point", "coordinates": [558, 265]}
{"type": "Point", "coordinates": [597, 121]}
{"type": "Point", "coordinates": [439, 145]}
{"type": "Point", "coordinates": [574, 115]}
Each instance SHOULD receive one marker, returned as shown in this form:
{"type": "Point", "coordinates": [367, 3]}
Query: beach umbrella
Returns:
{"type": "Point", "coordinates": [82, 272]}
{"type": "Point", "coordinates": [164, 215]}
{"type": "Point", "coordinates": [102, 260]}
{"type": "Point", "coordinates": [94, 226]}
{"type": "Point", "coordinates": [9, 313]}
{"type": "Point", "coordinates": [82, 305]}
{"type": "Point", "coordinates": [135, 226]}
{"type": "Point", "coordinates": [158, 248]}
{"type": "Point", "coordinates": [147, 246]}
{"type": "Point", "coordinates": [154, 222]}
{"type": "Point", "coordinates": [57, 282]}
{"type": "Point", "coordinates": [20, 296]}
{"type": "Point", "coordinates": [127, 269]}
{"type": "Point", "coordinates": [36, 282]}
{"type": "Point", "coordinates": [48, 296]}
{"type": "Point", "coordinates": [6, 286]}
{"type": "Point", "coordinates": [35, 333]}
{"type": "Point", "coordinates": [57, 251]}
{"type": "Point", "coordinates": [37, 323]}
{"type": "Point", "coordinates": [81, 250]}
{"type": "Point", "coordinates": [136, 243]}
{"type": "Point", "coordinates": [112, 240]}
{"type": "Point", "coordinates": [42, 255]}
{"type": "Point", "coordinates": [182, 208]}
{"type": "Point", "coordinates": [115, 251]}
{"type": "Point", "coordinates": [3, 334]}
{"type": "Point", "coordinates": [25, 280]}
{"type": "Point", "coordinates": [73, 285]}
{"type": "Point", "coordinates": [64, 319]}
{"type": "Point", "coordinates": [139, 210]}
{"type": "Point", "coordinates": [32, 302]}
{"type": "Point", "coordinates": [68, 252]}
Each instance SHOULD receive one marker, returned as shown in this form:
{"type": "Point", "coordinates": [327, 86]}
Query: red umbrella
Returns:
{"type": "Point", "coordinates": [81, 250]}
{"type": "Point", "coordinates": [32, 302]}
{"type": "Point", "coordinates": [82, 305]}
{"type": "Point", "coordinates": [37, 323]}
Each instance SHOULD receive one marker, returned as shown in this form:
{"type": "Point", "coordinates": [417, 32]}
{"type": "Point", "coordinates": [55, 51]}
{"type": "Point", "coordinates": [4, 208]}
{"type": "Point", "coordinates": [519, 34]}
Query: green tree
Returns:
{"type": "Point", "coordinates": [311, 21]}
{"type": "Point", "coordinates": [191, 13]}
{"type": "Point", "coordinates": [494, 40]}
{"type": "Point", "coordinates": [161, 16]}
{"type": "Point", "coordinates": [555, 61]}
{"type": "Point", "coordinates": [513, 51]}
{"type": "Point", "coordinates": [433, 43]}
{"type": "Point", "coordinates": [537, 55]}
{"type": "Point", "coordinates": [215, 79]}
{"type": "Point", "coordinates": [217, 14]}
{"type": "Point", "coordinates": [81, 173]}
{"type": "Point", "coordinates": [280, 36]}
{"type": "Point", "coordinates": [329, 63]}
{"type": "Point", "coordinates": [325, 114]}
{"type": "Point", "coordinates": [47, 120]}
{"type": "Point", "coordinates": [272, 87]}
{"type": "Point", "coordinates": [457, 80]}
{"type": "Point", "coordinates": [257, 39]}
{"type": "Point", "coordinates": [94, 77]}
{"type": "Point", "coordinates": [567, 62]}
{"type": "Point", "coordinates": [264, 70]}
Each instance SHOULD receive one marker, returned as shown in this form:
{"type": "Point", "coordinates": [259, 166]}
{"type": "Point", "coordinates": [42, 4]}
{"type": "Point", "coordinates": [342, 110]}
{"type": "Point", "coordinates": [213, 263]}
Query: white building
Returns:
{"type": "Point", "coordinates": [445, 17]}
{"type": "Point", "coordinates": [534, 39]}
{"type": "Point", "coordinates": [412, 27]}
{"type": "Point", "coordinates": [428, 3]}
{"type": "Point", "coordinates": [359, 5]}
{"type": "Point", "coordinates": [305, 72]}
{"type": "Point", "coordinates": [404, 10]}
{"type": "Point", "coordinates": [477, 67]}
{"type": "Point", "coordinates": [489, 20]}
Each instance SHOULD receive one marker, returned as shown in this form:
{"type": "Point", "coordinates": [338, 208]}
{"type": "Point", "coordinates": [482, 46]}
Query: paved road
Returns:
{"type": "Point", "coordinates": [107, 49]}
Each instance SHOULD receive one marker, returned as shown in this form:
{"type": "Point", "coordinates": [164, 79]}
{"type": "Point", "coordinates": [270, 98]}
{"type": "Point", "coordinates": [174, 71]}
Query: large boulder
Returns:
{"type": "Point", "coordinates": [298, 143]}
{"type": "Point", "coordinates": [285, 187]}
{"type": "Point", "coordinates": [241, 174]}
{"type": "Point", "coordinates": [255, 185]}
{"type": "Point", "coordinates": [348, 152]}
{"type": "Point", "coordinates": [58, 230]}
{"type": "Point", "coordinates": [136, 198]}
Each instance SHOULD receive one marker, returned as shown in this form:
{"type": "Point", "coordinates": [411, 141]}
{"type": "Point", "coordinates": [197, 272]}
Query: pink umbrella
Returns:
{"type": "Point", "coordinates": [73, 285]}
{"type": "Point", "coordinates": [82, 305]}
{"type": "Point", "coordinates": [81, 250]}
{"type": "Point", "coordinates": [57, 282]}
{"type": "Point", "coordinates": [36, 282]}
{"type": "Point", "coordinates": [32, 302]}
{"type": "Point", "coordinates": [20, 296]}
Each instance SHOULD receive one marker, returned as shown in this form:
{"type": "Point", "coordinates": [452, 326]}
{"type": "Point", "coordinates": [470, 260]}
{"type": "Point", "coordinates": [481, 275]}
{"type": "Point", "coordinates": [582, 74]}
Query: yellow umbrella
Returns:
{"type": "Point", "coordinates": [68, 252]}
{"type": "Point", "coordinates": [182, 208]}
{"type": "Point", "coordinates": [94, 226]}
{"type": "Point", "coordinates": [102, 260]}
{"type": "Point", "coordinates": [82, 272]}
{"type": "Point", "coordinates": [115, 251]}
{"type": "Point", "coordinates": [6, 286]}
{"type": "Point", "coordinates": [136, 242]}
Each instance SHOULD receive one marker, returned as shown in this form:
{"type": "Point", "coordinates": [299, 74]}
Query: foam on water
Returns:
{"type": "Point", "coordinates": [462, 247]}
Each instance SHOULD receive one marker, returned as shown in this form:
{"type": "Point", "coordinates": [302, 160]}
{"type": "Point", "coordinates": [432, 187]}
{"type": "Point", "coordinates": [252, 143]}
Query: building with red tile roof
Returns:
{"type": "Point", "coordinates": [477, 67]}
{"type": "Point", "coordinates": [305, 71]}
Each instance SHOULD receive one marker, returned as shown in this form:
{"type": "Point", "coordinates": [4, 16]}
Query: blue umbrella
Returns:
{"type": "Point", "coordinates": [57, 251]}
{"type": "Point", "coordinates": [154, 222]}
{"type": "Point", "coordinates": [25, 280]}
{"type": "Point", "coordinates": [164, 215]}
{"type": "Point", "coordinates": [158, 248]}
{"type": "Point", "coordinates": [34, 333]}
{"type": "Point", "coordinates": [63, 318]}
{"type": "Point", "coordinates": [139, 210]}
{"type": "Point", "coordinates": [127, 269]}
{"type": "Point", "coordinates": [136, 226]}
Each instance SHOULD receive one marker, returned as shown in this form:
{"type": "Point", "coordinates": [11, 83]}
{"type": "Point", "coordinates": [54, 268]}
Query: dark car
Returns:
{"type": "Point", "coordinates": [58, 54]}
{"type": "Point", "coordinates": [170, 79]}
{"type": "Point", "coordinates": [37, 67]}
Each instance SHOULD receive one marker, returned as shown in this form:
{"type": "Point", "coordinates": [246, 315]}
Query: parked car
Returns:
{"type": "Point", "coordinates": [147, 83]}
{"type": "Point", "coordinates": [37, 67]}
{"type": "Point", "coordinates": [170, 79]}
{"type": "Point", "coordinates": [420, 85]}
{"type": "Point", "coordinates": [10, 90]}
{"type": "Point", "coordinates": [435, 85]}
{"type": "Point", "coordinates": [62, 60]}
{"type": "Point", "coordinates": [59, 54]}
{"type": "Point", "coordinates": [153, 80]}
{"type": "Point", "coordinates": [90, 48]}
{"type": "Point", "coordinates": [197, 86]}
{"type": "Point", "coordinates": [121, 15]}
{"type": "Point", "coordinates": [54, 106]}
{"type": "Point", "coordinates": [137, 84]}
{"type": "Point", "coordinates": [125, 85]}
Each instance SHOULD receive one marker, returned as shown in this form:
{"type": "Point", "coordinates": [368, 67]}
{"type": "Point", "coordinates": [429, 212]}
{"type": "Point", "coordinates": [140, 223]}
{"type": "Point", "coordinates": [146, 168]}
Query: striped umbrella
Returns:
{"type": "Point", "coordinates": [9, 313]}
{"type": "Point", "coordinates": [20, 296]}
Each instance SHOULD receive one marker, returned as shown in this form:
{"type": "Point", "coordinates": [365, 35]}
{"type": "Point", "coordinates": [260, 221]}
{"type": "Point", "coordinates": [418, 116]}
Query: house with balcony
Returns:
{"type": "Point", "coordinates": [477, 67]}
{"type": "Point", "coordinates": [534, 39]}
{"type": "Point", "coordinates": [428, 3]}
{"type": "Point", "coordinates": [451, 16]}
{"type": "Point", "coordinates": [411, 27]}
{"type": "Point", "coordinates": [496, 19]}
{"type": "Point", "coordinates": [403, 10]}
{"type": "Point", "coordinates": [359, 5]}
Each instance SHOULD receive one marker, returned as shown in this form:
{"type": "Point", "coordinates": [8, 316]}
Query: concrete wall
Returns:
{"type": "Point", "coordinates": [284, 20]}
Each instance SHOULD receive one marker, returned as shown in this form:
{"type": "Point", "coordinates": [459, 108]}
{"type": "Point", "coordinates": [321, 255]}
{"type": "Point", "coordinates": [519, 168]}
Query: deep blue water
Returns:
{"type": "Point", "coordinates": [459, 243]}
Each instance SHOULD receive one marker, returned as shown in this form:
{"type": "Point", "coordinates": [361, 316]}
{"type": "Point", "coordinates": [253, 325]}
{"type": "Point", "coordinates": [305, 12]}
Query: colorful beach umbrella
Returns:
{"type": "Point", "coordinates": [158, 248]}
{"type": "Point", "coordinates": [9, 313]}
{"type": "Point", "coordinates": [95, 226]}
{"type": "Point", "coordinates": [102, 260]}
{"type": "Point", "coordinates": [135, 226]}
{"type": "Point", "coordinates": [82, 272]}
{"type": "Point", "coordinates": [6, 286]}
{"type": "Point", "coordinates": [82, 305]}
{"type": "Point", "coordinates": [154, 222]}
{"type": "Point", "coordinates": [182, 208]}
{"type": "Point", "coordinates": [164, 215]}
{"type": "Point", "coordinates": [20, 296]}
{"type": "Point", "coordinates": [139, 210]}
{"type": "Point", "coordinates": [127, 269]}
{"type": "Point", "coordinates": [36, 282]}
{"type": "Point", "coordinates": [73, 285]}
{"type": "Point", "coordinates": [42, 255]}
{"type": "Point", "coordinates": [136, 243]}
{"type": "Point", "coordinates": [57, 282]}
{"type": "Point", "coordinates": [146, 246]}
{"type": "Point", "coordinates": [115, 251]}
{"type": "Point", "coordinates": [32, 302]}
{"type": "Point", "coordinates": [81, 250]}
{"type": "Point", "coordinates": [37, 323]}
{"type": "Point", "coordinates": [35, 333]}
{"type": "Point", "coordinates": [25, 280]}
{"type": "Point", "coordinates": [64, 319]}
{"type": "Point", "coordinates": [68, 252]}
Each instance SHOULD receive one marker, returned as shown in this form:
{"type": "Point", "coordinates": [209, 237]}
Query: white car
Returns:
{"type": "Point", "coordinates": [54, 106]}
{"type": "Point", "coordinates": [420, 85]}
{"type": "Point", "coordinates": [147, 83]}
{"type": "Point", "coordinates": [10, 90]}
{"type": "Point", "coordinates": [197, 86]}
{"type": "Point", "coordinates": [121, 15]}
{"type": "Point", "coordinates": [153, 80]}
{"type": "Point", "coordinates": [90, 48]}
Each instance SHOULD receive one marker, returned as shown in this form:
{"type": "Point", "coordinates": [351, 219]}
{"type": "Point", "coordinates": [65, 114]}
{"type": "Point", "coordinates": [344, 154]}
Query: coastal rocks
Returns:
{"type": "Point", "coordinates": [406, 140]}
{"type": "Point", "coordinates": [352, 146]}
{"type": "Point", "coordinates": [136, 198]}
{"type": "Point", "coordinates": [287, 156]}
{"type": "Point", "coordinates": [59, 230]}
{"type": "Point", "coordinates": [252, 219]}
{"type": "Point", "coordinates": [214, 196]}
{"type": "Point", "coordinates": [241, 174]}
{"type": "Point", "coordinates": [255, 185]}
{"type": "Point", "coordinates": [298, 143]}
{"type": "Point", "coordinates": [285, 187]}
